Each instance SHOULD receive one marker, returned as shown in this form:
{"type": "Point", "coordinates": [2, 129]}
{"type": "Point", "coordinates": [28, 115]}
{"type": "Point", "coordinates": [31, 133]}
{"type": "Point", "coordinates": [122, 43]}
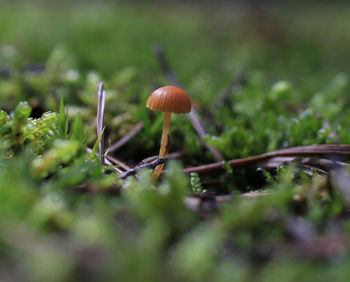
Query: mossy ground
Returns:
{"type": "Point", "coordinates": [62, 215]}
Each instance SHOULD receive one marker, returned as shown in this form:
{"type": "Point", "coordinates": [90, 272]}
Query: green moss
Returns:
{"type": "Point", "coordinates": [63, 216]}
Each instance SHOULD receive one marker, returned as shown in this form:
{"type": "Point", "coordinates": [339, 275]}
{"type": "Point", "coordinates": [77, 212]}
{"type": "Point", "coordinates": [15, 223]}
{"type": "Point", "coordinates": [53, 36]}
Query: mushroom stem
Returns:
{"type": "Point", "coordinates": [163, 144]}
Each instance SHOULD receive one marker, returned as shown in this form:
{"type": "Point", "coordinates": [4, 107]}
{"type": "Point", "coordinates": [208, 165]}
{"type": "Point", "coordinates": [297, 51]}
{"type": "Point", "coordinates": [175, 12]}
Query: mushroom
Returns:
{"type": "Point", "coordinates": [168, 99]}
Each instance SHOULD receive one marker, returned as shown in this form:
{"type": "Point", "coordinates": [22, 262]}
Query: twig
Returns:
{"type": "Point", "coordinates": [324, 164]}
{"type": "Point", "coordinates": [238, 79]}
{"type": "Point", "coordinates": [314, 150]}
{"type": "Point", "coordinates": [310, 170]}
{"type": "Point", "coordinates": [136, 169]}
{"type": "Point", "coordinates": [275, 162]}
{"type": "Point", "coordinates": [107, 162]}
{"type": "Point", "coordinates": [137, 128]}
{"type": "Point", "coordinates": [173, 155]}
{"type": "Point", "coordinates": [100, 119]}
{"type": "Point", "coordinates": [118, 162]}
{"type": "Point", "coordinates": [193, 116]}
{"type": "Point", "coordinates": [310, 165]}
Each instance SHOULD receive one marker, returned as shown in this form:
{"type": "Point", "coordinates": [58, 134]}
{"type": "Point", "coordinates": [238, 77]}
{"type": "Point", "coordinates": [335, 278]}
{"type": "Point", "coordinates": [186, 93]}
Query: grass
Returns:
{"type": "Point", "coordinates": [64, 217]}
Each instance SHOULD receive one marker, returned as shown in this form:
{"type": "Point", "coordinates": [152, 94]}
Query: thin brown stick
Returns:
{"type": "Point", "coordinates": [136, 169]}
{"type": "Point", "coordinates": [323, 164]}
{"type": "Point", "coordinates": [118, 162]}
{"type": "Point", "coordinates": [107, 162]}
{"type": "Point", "coordinates": [173, 155]}
{"type": "Point", "coordinates": [193, 115]}
{"type": "Point", "coordinates": [238, 79]}
{"type": "Point", "coordinates": [311, 170]}
{"type": "Point", "coordinates": [314, 150]}
{"type": "Point", "coordinates": [126, 138]}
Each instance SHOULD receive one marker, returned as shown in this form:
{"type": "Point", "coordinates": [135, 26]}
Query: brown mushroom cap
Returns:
{"type": "Point", "coordinates": [169, 99]}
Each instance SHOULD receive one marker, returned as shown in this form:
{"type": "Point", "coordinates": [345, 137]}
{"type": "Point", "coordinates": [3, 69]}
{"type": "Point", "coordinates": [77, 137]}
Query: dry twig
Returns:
{"type": "Point", "coordinates": [118, 162]}
{"type": "Point", "coordinates": [136, 169]}
{"type": "Point", "coordinates": [137, 128]}
{"type": "Point", "coordinates": [313, 150]}
{"type": "Point", "coordinates": [173, 155]}
{"type": "Point", "coordinates": [238, 79]}
{"type": "Point", "coordinates": [107, 162]}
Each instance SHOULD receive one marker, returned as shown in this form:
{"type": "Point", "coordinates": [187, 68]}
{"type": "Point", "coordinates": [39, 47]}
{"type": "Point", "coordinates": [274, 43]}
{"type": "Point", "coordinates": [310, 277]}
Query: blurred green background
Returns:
{"type": "Point", "coordinates": [290, 40]}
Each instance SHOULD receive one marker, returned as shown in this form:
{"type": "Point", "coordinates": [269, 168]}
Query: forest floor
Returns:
{"type": "Point", "coordinates": [256, 185]}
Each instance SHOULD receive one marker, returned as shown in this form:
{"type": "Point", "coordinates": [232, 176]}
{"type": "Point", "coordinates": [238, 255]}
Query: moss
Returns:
{"type": "Point", "coordinates": [64, 217]}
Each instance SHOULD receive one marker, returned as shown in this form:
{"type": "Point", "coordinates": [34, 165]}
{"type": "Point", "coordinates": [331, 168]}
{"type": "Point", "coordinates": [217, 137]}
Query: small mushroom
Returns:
{"type": "Point", "coordinates": [168, 99]}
